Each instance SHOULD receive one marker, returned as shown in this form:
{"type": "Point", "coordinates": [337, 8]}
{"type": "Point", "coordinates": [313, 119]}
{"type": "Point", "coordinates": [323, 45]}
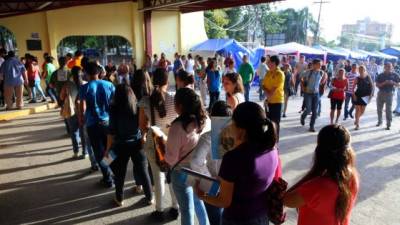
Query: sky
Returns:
{"type": "Point", "coordinates": [338, 12]}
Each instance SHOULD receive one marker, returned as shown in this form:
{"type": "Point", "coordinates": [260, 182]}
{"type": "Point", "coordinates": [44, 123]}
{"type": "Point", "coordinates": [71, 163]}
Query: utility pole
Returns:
{"type": "Point", "coordinates": [317, 36]}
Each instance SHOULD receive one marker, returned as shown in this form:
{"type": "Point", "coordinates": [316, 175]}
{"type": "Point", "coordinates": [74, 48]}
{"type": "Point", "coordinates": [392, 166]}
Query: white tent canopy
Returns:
{"type": "Point", "coordinates": [293, 48]}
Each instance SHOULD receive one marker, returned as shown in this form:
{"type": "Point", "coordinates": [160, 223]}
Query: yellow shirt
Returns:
{"type": "Point", "coordinates": [275, 79]}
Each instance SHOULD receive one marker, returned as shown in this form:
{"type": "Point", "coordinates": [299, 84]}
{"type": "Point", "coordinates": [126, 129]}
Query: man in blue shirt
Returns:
{"type": "Point", "coordinates": [214, 80]}
{"type": "Point", "coordinates": [178, 66]}
{"type": "Point", "coordinates": [311, 81]}
{"type": "Point", "coordinates": [96, 98]}
{"type": "Point", "coordinates": [14, 76]}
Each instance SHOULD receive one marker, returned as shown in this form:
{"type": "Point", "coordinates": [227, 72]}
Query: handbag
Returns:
{"type": "Point", "coordinates": [274, 200]}
{"type": "Point", "coordinates": [159, 143]}
{"type": "Point", "coordinates": [67, 109]}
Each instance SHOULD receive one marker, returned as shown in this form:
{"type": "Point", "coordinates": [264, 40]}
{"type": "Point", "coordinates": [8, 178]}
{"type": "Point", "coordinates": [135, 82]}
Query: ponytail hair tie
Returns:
{"type": "Point", "coordinates": [266, 124]}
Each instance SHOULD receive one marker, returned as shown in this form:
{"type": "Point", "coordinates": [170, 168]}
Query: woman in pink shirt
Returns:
{"type": "Point", "coordinates": [327, 193]}
{"type": "Point", "coordinates": [183, 136]}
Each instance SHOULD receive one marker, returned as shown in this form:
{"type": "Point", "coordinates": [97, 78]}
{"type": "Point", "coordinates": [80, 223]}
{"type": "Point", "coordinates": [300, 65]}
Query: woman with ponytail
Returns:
{"type": "Point", "coordinates": [183, 137]}
{"type": "Point", "coordinates": [326, 194]}
{"type": "Point", "coordinates": [158, 110]}
{"type": "Point", "coordinates": [247, 171]}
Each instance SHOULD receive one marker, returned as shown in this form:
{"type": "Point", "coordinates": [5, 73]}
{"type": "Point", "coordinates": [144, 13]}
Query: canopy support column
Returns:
{"type": "Point", "coordinates": [147, 33]}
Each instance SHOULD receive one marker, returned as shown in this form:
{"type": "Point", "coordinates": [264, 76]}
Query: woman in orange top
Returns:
{"type": "Point", "coordinates": [326, 195]}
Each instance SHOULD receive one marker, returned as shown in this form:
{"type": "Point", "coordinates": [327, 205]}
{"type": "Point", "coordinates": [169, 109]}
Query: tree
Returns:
{"type": "Point", "coordinates": [296, 25]}
{"type": "Point", "coordinates": [7, 39]}
{"type": "Point", "coordinates": [236, 19]}
{"type": "Point", "coordinates": [215, 21]}
{"type": "Point", "coordinates": [272, 23]}
{"type": "Point", "coordinates": [330, 44]}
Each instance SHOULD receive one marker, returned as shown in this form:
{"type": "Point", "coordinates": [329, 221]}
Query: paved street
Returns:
{"type": "Point", "coordinates": [41, 184]}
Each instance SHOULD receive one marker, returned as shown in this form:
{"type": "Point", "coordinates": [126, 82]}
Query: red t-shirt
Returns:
{"type": "Point", "coordinates": [339, 95]}
{"type": "Point", "coordinates": [33, 72]}
{"type": "Point", "coordinates": [320, 196]}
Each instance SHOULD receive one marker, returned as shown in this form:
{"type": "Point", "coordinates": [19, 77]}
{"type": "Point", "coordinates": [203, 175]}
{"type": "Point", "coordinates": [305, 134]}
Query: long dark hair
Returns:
{"type": "Point", "coordinates": [157, 100]}
{"type": "Point", "coordinates": [192, 109]}
{"type": "Point", "coordinates": [141, 84]}
{"type": "Point", "coordinates": [334, 158]}
{"type": "Point", "coordinates": [76, 75]}
{"type": "Point", "coordinates": [236, 79]}
{"type": "Point", "coordinates": [124, 101]}
{"type": "Point", "coordinates": [186, 78]}
{"type": "Point", "coordinates": [259, 129]}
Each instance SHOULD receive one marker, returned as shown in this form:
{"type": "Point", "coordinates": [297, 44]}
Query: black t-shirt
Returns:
{"type": "Point", "coordinates": [384, 77]}
{"type": "Point", "coordinates": [124, 127]}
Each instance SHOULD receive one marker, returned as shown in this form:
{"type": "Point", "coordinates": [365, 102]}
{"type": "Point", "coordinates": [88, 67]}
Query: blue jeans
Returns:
{"type": "Point", "coordinates": [188, 201]}
{"type": "Point", "coordinates": [247, 92]}
{"type": "Point", "coordinates": [73, 126]}
{"type": "Point", "coordinates": [348, 112]}
{"type": "Point", "coordinates": [311, 102]}
{"type": "Point", "coordinates": [255, 221]}
{"type": "Point", "coordinates": [98, 139]}
{"type": "Point", "coordinates": [38, 88]}
{"type": "Point", "coordinates": [319, 107]}
{"type": "Point", "coordinates": [86, 148]}
{"type": "Point", "coordinates": [214, 214]}
{"type": "Point", "coordinates": [51, 92]}
{"type": "Point", "coordinates": [214, 97]}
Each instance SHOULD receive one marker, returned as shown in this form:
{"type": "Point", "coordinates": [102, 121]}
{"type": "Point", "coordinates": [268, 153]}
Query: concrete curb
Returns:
{"type": "Point", "coordinates": [9, 115]}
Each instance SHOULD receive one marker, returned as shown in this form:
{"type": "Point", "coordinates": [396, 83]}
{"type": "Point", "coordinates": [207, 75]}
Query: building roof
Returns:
{"type": "Point", "coordinates": [18, 7]}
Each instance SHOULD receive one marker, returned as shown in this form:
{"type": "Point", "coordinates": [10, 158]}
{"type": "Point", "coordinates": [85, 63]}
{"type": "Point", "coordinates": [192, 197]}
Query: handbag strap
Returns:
{"type": "Point", "coordinates": [183, 158]}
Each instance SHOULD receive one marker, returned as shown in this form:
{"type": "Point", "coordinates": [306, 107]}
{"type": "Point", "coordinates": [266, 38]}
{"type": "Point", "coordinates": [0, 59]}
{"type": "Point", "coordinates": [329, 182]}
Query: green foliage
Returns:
{"type": "Point", "coordinates": [236, 18]}
{"type": "Point", "coordinates": [330, 44]}
{"type": "Point", "coordinates": [296, 25]}
{"type": "Point", "coordinates": [7, 39]}
{"type": "Point", "coordinates": [215, 22]}
{"type": "Point", "coordinates": [257, 21]}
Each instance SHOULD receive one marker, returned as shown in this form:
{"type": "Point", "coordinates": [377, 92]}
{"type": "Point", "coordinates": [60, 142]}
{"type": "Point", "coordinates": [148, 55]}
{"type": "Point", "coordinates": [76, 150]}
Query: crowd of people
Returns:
{"type": "Point", "coordinates": [127, 113]}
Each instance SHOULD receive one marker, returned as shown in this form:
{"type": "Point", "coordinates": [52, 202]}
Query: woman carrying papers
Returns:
{"type": "Point", "coordinates": [183, 136]}
{"type": "Point", "coordinates": [257, 156]}
{"type": "Point", "coordinates": [202, 161]}
{"type": "Point", "coordinates": [364, 90]}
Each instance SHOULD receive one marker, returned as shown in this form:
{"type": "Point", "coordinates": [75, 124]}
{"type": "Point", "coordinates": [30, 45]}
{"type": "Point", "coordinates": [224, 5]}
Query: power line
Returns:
{"type": "Point", "coordinates": [251, 20]}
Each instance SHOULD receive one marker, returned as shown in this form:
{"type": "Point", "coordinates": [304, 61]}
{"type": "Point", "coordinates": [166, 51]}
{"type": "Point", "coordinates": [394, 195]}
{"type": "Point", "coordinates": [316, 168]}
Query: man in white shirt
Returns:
{"type": "Point", "coordinates": [301, 66]}
{"type": "Point", "coordinates": [372, 69]}
{"type": "Point", "coordinates": [262, 70]}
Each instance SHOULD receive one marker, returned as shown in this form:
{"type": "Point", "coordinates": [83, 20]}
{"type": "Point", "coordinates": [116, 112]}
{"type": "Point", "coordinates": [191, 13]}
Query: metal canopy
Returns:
{"type": "Point", "coordinates": [19, 7]}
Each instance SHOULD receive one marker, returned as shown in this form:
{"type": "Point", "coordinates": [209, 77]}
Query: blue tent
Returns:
{"type": "Point", "coordinates": [394, 51]}
{"type": "Point", "coordinates": [332, 54]}
{"type": "Point", "coordinates": [223, 47]}
{"type": "Point", "coordinates": [256, 56]}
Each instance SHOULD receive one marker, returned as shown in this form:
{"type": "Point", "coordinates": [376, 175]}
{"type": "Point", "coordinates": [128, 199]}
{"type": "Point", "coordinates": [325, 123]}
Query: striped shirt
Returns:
{"type": "Point", "coordinates": [162, 123]}
{"type": "Point", "coordinates": [351, 78]}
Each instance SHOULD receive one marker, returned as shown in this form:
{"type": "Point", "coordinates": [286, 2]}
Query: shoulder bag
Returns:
{"type": "Point", "coordinates": [159, 143]}
{"type": "Point", "coordinates": [274, 199]}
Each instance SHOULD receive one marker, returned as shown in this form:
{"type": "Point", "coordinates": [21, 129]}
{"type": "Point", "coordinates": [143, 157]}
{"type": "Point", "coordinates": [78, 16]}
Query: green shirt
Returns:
{"type": "Point", "coordinates": [246, 71]}
{"type": "Point", "coordinates": [50, 68]}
